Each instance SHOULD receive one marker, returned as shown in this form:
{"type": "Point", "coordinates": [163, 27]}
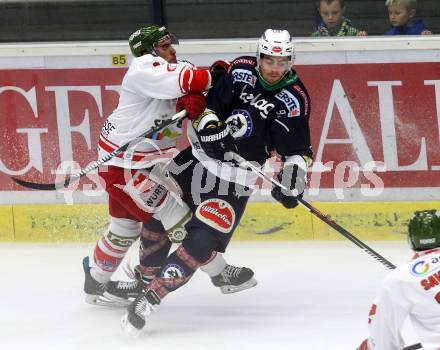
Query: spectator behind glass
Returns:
{"type": "Point", "coordinates": [402, 15]}
{"type": "Point", "coordinates": [333, 23]}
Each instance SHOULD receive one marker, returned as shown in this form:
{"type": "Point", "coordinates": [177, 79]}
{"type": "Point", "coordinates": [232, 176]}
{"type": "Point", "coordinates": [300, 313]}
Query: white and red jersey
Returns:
{"type": "Point", "coordinates": [411, 290]}
{"type": "Point", "coordinates": [148, 95]}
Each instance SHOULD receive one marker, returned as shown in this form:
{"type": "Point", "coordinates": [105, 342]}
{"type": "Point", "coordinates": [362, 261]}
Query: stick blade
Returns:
{"type": "Point", "coordinates": [413, 347]}
{"type": "Point", "coordinates": [38, 186]}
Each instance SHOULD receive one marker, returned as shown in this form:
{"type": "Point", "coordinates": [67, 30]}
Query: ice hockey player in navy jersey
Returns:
{"type": "Point", "coordinates": [257, 106]}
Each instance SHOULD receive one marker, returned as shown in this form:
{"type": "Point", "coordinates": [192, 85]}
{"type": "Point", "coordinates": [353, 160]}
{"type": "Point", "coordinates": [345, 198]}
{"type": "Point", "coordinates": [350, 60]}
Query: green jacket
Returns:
{"type": "Point", "coordinates": [345, 29]}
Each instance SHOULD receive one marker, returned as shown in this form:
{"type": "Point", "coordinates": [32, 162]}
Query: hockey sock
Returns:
{"type": "Point", "coordinates": [215, 265]}
{"type": "Point", "coordinates": [112, 247]}
{"type": "Point", "coordinates": [153, 250]}
{"type": "Point", "coordinates": [179, 267]}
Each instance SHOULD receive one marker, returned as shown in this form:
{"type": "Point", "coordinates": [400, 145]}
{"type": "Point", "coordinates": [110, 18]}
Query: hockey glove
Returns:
{"type": "Point", "coordinates": [216, 140]}
{"type": "Point", "coordinates": [217, 69]}
{"type": "Point", "coordinates": [293, 177]}
{"type": "Point", "coordinates": [194, 104]}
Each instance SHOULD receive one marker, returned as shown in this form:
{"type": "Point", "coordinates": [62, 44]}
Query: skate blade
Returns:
{"type": "Point", "coordinates": [128, 328]}
{"type": "Point", "coordinates": [103, 301]}
{"type": "Point", "coordinates": [234, 289]}
{"type": "Point", "coordinates": [117, 300]}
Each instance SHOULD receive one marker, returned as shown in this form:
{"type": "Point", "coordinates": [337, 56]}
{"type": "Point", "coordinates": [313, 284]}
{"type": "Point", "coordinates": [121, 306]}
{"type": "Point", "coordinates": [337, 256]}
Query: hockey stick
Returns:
{"type": "Point", "coordinates": [75, 177]}
{"type": "Point", "coordinates": [328, 221]}
{"type": "Point", "coordinates": [413, 347]}
{"type": "Point", "coordinates": [318, 214]}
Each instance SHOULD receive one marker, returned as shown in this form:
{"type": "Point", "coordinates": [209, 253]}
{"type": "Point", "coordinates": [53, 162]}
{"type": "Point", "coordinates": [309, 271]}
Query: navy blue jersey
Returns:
{"type": "Point", "coordinates": [262, 117]}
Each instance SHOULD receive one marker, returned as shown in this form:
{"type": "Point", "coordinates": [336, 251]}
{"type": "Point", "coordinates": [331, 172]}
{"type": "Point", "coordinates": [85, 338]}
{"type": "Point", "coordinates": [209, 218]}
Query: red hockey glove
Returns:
{"type": "Point", "coordinates": [194, 104]}
{"type": "Point", "coordinates": [219, 65]}
{"type": "Point", "coordinates": [217, 69]}
{"type": "Point", "coordinates": [363, 346]}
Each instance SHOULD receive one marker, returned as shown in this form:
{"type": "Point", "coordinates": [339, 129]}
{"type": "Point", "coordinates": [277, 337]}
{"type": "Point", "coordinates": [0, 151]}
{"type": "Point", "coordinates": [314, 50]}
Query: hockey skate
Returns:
{"type": "Point", "coordinates": [234, 279]}
{"type": "Point", "coordinates": [124, 292]}
{"type": "Point", "coordinates": [93, 289]}
{"type": "Point", "coordinates": [138, 311]}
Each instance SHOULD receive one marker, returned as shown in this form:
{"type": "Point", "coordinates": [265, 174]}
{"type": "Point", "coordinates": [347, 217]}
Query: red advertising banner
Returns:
{"type": "Point", "coordinates": [372, 124]}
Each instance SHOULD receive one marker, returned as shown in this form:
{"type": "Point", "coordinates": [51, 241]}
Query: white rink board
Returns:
{"type": "Point", "coordinates": [203, 52]}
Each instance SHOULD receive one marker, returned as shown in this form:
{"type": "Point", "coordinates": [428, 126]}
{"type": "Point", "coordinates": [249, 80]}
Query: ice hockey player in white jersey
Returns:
{"type": "Point", "coordinates": [411, 290]}
{"type": "Point", "coordinates": [155, 85]}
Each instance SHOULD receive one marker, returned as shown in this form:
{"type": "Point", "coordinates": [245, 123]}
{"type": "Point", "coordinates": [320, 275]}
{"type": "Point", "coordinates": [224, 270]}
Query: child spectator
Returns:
{"type": "Point", "coordinates": [402, 15]}
{"type": "Point", "coordinates": [333, 23]}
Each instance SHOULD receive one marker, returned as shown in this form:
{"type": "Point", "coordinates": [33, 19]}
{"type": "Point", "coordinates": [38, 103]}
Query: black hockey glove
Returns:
{"type": "Point", "coordinates": [292, 177]}
{"type": "Point", "coordinates": [216, 140]}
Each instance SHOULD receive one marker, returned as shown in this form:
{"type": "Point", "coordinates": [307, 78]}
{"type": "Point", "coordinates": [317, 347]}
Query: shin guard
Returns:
{"type": "Point", "coordinates": [112, 247]}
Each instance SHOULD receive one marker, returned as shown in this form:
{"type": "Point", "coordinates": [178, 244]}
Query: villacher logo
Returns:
{"type": "Point", "coordinates": [217, 214]}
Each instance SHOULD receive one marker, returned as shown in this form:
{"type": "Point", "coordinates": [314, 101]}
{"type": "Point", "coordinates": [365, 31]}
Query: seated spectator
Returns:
{"type": "Point", "coordinates": [402, 15]}
{"type": "Point", "coordinates": [333, 23]}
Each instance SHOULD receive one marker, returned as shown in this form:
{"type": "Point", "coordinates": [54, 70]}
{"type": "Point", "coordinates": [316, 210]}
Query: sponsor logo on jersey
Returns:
{"type": "Point", "coordinates": [172, 271]}
{"type": "Point", "coordinates": [154, 197]}
{"type": "Point", "coordinates": [171, 67]}
{"type": "Point", "coordinates": [425, 266]}
{"type": "Point", "coordinates": [240, 123]}
{"type": "Point", "coordinates": [107, 128]}
{"type": "Point", "coordinates": [305, 98]}
{"type": "Point", "coordinates": [244, 76]}
{"type": "Point", "coordinates": [262, 105]}
{"type": "Point", "coordinates": [146, 193]}
{"type": "Point", "coordinates": [244, 61]}
{"type": "Point", "coordinates": [290, 101]}
{"type": "Point", "coordinates": [216, 213]}
{"type": "Point", "coordinates": [167, 132]}
{"type": "Point", "coordinates": [431, 281]}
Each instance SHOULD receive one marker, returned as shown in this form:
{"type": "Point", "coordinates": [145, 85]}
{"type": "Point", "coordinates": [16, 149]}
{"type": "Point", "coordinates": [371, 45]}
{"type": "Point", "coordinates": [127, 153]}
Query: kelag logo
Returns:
{"type": "Point", "coordinates": [423, 267]}
{"type": "Point", "coordinates": [420, 268]}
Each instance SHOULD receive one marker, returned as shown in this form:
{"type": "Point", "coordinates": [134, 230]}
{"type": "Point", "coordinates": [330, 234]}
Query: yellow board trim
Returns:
{"type": "Point", "coordinates": [261, 221]}
{"type": "Point", "coordinates": [119, 60]}
{"type": "Point", "coordinates": [6, 223]}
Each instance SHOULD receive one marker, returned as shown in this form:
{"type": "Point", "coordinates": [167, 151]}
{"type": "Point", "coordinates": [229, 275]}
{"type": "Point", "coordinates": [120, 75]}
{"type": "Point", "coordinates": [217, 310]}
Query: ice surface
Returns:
{"type": "Point", "coordinates": [311, 295]}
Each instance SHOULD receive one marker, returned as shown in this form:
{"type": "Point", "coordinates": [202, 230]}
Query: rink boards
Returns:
{"type": "Point", "coordinates": [375, 138]}
{"type": "Point", "coordinates": [267, 221]}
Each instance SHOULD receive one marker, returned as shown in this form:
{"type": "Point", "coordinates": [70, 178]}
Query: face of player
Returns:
{"type": "Point", "coordinates": [166, 50]}
{"type": "Point", "coordinates": [399, 15]}
{"type": "Point", "coordinates": [273, 68]}
{"type": "Point", "coordinates": [331, 13]}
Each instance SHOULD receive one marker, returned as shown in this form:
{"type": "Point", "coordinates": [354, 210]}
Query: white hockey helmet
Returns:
{"type": "Point", "coordinates": [276, 42]}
